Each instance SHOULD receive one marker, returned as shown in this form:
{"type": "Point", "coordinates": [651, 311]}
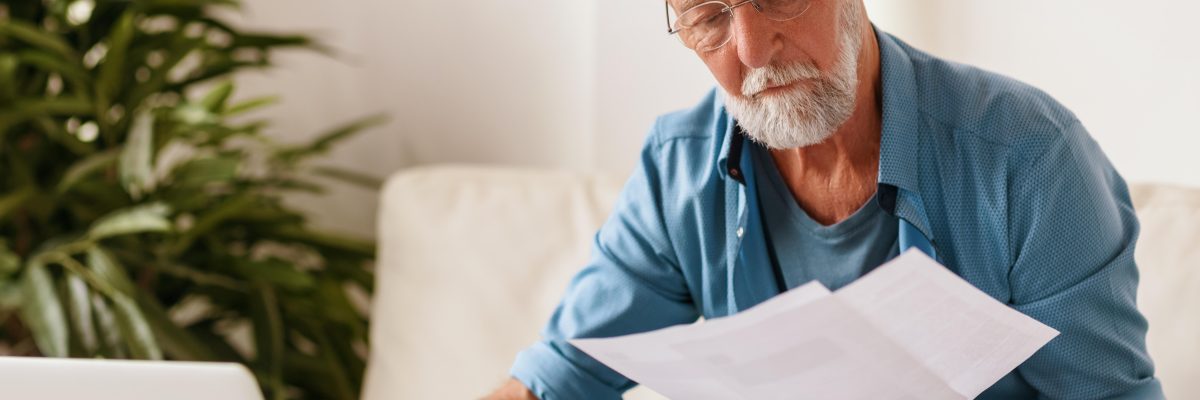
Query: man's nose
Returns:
{"type": "Point", "coordinates": [756, 37]}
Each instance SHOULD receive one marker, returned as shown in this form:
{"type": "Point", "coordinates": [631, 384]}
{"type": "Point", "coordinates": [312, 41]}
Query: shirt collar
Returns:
{"type": "Point", "coordinates": [732, 140]}
{"type": "Point", "coordinates": [899, 145]}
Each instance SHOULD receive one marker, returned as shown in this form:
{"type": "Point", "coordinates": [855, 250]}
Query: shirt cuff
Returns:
{"type": "Point", "coordinates": [551, 376]}
{"type": "Point", "coordinates": [1150, 390]}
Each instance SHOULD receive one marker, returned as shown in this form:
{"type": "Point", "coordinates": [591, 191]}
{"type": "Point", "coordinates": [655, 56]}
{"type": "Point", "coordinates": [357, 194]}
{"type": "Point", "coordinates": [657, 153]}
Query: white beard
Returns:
{"type": "Point", "coordinates": [811, 111]}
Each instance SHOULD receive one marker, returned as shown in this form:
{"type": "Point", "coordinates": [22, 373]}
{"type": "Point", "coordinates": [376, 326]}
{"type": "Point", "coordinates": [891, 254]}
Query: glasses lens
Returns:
{"type": "Point", "coordinates": [783, 10]}
{"type": "Point", "coordinates": [704, 27]}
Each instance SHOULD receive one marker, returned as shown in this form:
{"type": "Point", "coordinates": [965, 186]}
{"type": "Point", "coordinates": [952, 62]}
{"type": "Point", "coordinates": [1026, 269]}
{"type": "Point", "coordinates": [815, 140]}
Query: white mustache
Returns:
{"type": "Point", "coordinates": [760, 79]}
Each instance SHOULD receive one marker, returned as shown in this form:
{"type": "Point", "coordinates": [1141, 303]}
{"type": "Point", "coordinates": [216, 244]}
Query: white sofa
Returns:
{"type": "Point", "coordinates": [473, 259]}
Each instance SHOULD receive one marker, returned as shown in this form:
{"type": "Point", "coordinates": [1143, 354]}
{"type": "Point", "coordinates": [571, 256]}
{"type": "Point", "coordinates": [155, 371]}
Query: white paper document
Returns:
{"type": "Point", "coordinates": [910, 329]}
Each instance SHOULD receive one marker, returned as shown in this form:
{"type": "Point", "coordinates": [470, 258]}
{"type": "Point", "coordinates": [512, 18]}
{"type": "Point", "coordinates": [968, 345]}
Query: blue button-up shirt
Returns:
{"type": "Point", "coordinates": [999, 182]}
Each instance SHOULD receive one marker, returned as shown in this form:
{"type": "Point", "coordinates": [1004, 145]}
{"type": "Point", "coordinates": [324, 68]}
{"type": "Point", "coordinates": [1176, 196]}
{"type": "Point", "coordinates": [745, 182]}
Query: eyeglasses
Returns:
{"type": "Point", "coordinates": [709, 25]}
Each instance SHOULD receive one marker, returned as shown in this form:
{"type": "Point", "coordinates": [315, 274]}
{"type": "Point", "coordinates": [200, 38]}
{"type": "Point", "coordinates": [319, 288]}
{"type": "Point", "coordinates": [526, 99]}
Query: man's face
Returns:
{"type": "Point", "coordinates": [789, 83]}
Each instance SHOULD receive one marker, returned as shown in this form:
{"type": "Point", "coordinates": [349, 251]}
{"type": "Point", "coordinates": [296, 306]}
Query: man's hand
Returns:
{"type": "Point", "coordinates": [511, 390]}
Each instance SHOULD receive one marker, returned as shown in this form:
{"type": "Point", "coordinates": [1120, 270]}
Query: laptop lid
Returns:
{"type": "Point", "coordinates": [63, 379]}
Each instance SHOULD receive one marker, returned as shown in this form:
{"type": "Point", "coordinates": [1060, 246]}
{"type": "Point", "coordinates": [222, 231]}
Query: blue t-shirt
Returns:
{"type": "Point", "coordinates": [803, 249]}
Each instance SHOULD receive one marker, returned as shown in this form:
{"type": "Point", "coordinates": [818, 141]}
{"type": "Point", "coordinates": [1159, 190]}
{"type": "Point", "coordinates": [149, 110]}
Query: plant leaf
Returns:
{"type": "Point", "coordinates": [268, 339]}
{"type": "Point", "coordinates": [11, 296]}
{"type": "Point", "coordinates": [250, 105]}
{"type": "Point", "coordinates": [10, 262]}
{"type": "Point", "coordinates": [178, 50]}
{"type": "Point", "coordinates": [334, 303]}
{"type": "Point", "coordinates": [177, 342]}
{"type": "Point", "coordinates": [138, 335]}
{"type": "Point", "coordinates": [144, 218]}
{"type": "Point", "coordinates": [352, 177]}
{"type": "Point", "coordinates": [37, 37]}
{"type": "Point", "coordinates": [54, 130]}
{"type": "Point", "coordinates": [266, 40]}
{"type": "Point", "coordinates": [210, 220]}
{"type": "Point", "coordinates": [42, 312]}
{"type": "Point", "coordinates": [136, 168]}
{"type": "Point", "coordinates": [333, 367]}
{"type": "Point", "coordinates": [108, 272]}
{"type": "Point", "coordinates": [215, 342]}
{"type": "Point", "coordinates": [80, 308]}
{"type": "Point", "coordinates": [308, 372]}
{"type": "Point", "coordinates": [211, 71]}
{"type": "Point", "coordinates": [275, 272]}
{"type": "Point", "coordinates": [214, 100]}
{"type": "Point", "coordinates": [204, 278]}
{"type": "Point", "coordinates": [14, 200]}
{"type": "Point", "coordinates": [326, 140]}
{"type": "Point", "coordinates": [8, 80]}
{"type": "Point", "coordinates": [204, 170]}
{"type": "Point", "coordinates": [108, 327]}
{"type": "Point", "coordinates": [194, 114]}
{"type": "Point", "coordinates": [109, 80]}
{"type": "Point", "coordinates": [351, 269]}
{"type": "Point", "coordinates": [80, 209]}
{"type": "Point", "coordinates": [28, 109]}
{"type": "Point", "coordinates": [56, 106]}
{"type": "Point", "coordinates": [73, 72]}
{"type": "Point", "coordinates": [169, 5]}
{"type": "Point", "coordinates": [343, 348]}
{"type": "Point", "coordinates": [327, 242]}
{"type": "Point", "coordinates": [86, 167]}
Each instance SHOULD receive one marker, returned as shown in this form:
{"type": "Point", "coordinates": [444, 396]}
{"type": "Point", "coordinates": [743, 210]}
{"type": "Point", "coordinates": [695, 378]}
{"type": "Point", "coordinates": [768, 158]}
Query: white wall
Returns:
{"type": "Point", "coordinates": [1129, 70]}
{"type": "Point", "coordinates": [489, 83]}
{"type": "Point", "coordinates": [576, 84]}
{"type": "Point", "coordinates": [641, 73]}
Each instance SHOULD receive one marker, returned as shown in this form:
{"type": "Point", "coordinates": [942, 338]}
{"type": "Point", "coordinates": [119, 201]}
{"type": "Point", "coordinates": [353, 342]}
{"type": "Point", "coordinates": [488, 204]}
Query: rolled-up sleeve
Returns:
{"type": "Point", "coordinates": [1073, 232]}
{"type": "Point", "coordinates": [632, 283]}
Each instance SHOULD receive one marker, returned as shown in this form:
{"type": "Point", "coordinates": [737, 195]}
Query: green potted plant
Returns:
{"type": "Point", "coordinates": [141, 211]}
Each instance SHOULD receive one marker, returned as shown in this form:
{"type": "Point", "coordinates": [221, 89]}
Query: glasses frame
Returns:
{"type": "Point", "coordinates": [729, 8]}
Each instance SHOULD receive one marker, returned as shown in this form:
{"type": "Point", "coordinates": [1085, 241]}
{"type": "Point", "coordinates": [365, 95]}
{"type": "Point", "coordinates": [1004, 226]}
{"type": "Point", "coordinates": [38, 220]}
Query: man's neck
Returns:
{"type": "Point", "coordinates": [833, 179]}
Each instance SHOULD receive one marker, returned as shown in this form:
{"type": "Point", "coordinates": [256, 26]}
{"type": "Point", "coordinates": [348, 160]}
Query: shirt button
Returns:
{"type": "Point", "coordinates": [739, 232]}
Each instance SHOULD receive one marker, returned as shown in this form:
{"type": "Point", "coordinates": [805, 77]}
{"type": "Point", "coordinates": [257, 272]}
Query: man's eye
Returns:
{"type": "Point", "coordinates": [704, 17]}
{"type": "Point", "coordinates": [707, 19]}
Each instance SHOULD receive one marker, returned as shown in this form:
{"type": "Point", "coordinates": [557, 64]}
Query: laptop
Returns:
{"type": "Point", "coordinates": [28, 378]}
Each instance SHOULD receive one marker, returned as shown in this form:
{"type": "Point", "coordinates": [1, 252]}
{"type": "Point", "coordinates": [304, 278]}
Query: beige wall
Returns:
{"type": "Point", "coordinates": [489, 83]}
{"type": "Point", "coordinates": [1127, 69]}
{"type": "Point", "coordinates": [576, 84]}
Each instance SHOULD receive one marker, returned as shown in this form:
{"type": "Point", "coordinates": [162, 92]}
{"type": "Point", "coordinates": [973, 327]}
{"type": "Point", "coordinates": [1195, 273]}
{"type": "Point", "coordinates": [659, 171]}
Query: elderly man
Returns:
{"type": "Point", "coordinates": [860, 147]}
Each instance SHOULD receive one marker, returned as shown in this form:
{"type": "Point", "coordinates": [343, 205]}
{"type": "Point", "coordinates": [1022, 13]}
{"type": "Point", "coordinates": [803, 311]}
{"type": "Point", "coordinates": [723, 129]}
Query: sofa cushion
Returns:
{"type": "Point", "coordinates": [471, 263]}
{"type": "Point", "coordinates": [1168, 253]}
